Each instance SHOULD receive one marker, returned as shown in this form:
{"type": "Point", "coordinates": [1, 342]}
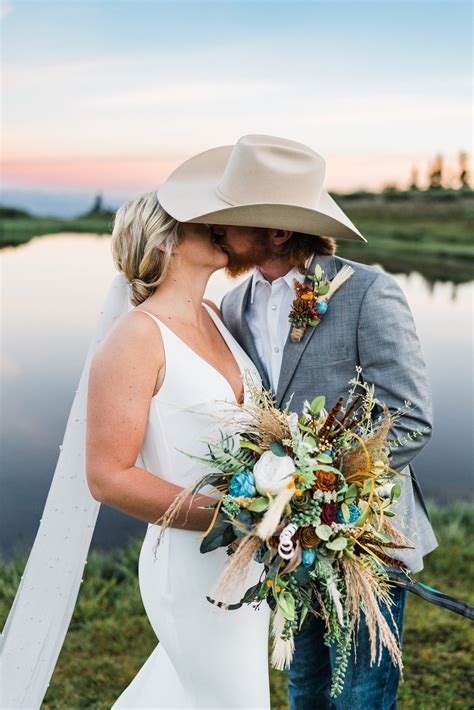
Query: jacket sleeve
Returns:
{"type": "Point", "coordinates": [391, 359]}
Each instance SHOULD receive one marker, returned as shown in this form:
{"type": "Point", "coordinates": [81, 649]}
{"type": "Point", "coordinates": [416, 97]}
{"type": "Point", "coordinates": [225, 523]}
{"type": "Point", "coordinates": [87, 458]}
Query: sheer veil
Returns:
{"type": "Point", "coordinates": [41, 612]}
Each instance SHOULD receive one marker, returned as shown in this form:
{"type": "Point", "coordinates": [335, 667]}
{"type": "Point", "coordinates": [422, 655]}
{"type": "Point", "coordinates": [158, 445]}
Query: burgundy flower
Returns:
{"type": "Point", "coordinates": [329, 513]}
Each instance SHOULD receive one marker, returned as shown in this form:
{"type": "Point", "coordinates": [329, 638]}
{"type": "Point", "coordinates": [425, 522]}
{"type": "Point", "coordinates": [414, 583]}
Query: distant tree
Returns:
{"type": "Point", "coordinates": [97, 206]}
{"type": "Point", "coordinates": [13, 213]}
{"type": "Point", "coordinates": [414, 179]}
{"type": "Point", "coordinates": [97, 209]}
{"type": "Point", "coordinates": [436, 173]}
{"type": "Point", "coordinates": [392, 191]}
{"type": "Point", "coordinates": [464, 170]}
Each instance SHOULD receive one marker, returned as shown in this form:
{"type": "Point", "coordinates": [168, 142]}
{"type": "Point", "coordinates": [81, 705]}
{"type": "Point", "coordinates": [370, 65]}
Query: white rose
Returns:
{"type": "Point", "coordinates": [272, 473]}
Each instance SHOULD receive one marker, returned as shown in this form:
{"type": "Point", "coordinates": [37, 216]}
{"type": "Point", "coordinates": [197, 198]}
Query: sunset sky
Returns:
{"type": "Point", "coordinates": [111, 95]}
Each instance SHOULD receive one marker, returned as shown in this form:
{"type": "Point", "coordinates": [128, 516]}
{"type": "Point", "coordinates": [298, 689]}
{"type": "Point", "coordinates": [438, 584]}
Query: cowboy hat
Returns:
{"type": "Point", "coordinates": [261, 181]}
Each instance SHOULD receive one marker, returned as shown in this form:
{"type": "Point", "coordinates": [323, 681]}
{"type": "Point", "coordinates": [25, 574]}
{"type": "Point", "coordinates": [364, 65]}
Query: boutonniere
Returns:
{"type": "Point", "coordinates": [311, 302]}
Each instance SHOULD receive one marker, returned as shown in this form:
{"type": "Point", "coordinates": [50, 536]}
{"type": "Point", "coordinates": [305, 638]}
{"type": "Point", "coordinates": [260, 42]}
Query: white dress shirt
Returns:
{"type": "Point", "coordinates": [267, 316]}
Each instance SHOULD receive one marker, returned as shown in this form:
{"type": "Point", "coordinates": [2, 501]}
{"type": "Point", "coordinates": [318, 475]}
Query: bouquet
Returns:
{"type": "Point", "coordinates": [309, 497]}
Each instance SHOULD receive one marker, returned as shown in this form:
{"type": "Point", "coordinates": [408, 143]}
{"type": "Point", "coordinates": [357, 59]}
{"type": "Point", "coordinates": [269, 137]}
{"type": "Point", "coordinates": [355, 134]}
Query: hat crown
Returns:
{"type": "Point", "coordinates": [265, 169]}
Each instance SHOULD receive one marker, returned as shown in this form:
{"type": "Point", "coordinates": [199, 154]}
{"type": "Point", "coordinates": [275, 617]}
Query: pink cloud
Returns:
{"type": "Point", "coordinates": [98, 173]}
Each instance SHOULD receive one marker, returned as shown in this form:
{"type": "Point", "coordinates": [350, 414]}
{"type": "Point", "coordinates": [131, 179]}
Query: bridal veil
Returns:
{"type": "Point", "coordinates": [44, 603]}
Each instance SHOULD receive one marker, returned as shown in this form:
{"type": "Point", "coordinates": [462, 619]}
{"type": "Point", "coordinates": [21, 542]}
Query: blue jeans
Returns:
{"type": "Point", "coordinates": [365, 687]}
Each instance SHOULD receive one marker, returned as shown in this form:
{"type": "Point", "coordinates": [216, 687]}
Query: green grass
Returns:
{"type": "Point", "coordinates": [110, 637]}
{"type": "Point", "coordinates": [435, 238]}
{"type": "Point", "coordinates": [14, 232]}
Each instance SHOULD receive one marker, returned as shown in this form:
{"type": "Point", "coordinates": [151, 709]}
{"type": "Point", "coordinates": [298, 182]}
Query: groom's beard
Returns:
{"type": "Point", "coordinates": [255, 255]}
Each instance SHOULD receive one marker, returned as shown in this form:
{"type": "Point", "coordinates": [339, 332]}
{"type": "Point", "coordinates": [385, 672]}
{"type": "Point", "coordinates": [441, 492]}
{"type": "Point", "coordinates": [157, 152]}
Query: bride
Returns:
{"type": "Point", "coordinates": [158, 385]}
{"type": "Point", "coordinates": [158, 379]}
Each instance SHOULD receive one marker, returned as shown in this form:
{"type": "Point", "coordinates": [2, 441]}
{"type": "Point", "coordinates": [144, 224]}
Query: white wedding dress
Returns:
{"type": "Point", "coordinates": [206, 657]}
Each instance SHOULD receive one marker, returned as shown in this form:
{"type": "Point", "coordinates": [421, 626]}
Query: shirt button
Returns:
{"type": "Point", "coordinates": [274, 308]}
{"type": "Point", "coordinates": [276, 350]}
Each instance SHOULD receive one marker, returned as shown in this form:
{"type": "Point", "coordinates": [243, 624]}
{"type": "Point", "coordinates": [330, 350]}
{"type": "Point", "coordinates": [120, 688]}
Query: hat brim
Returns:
{"type": "Point", "coordinates": [190, 195]}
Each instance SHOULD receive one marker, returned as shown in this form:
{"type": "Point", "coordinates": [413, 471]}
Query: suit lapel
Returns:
{"type": "Point", "coordinates": [293, 351]}
{"type": "Point", "coordinates": [246, 339]}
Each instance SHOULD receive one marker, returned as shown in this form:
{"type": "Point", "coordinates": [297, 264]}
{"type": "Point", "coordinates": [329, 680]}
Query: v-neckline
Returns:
{"type": "Point", "coordinates": [212, 367]}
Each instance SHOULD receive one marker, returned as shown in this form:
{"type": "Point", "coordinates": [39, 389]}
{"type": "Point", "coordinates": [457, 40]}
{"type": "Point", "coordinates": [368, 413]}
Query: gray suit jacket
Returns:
{"type": "Point", "coordinates": [369, 324]}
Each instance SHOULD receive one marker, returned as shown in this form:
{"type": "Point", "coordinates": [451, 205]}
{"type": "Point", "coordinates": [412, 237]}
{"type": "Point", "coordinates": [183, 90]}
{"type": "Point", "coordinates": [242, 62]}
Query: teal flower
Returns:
{"type": "Point", "coordinates": [354, 514]}
{"type": "Point", "coordinates": [308, 558]}
{"type": "Point", "coordinates": [242, 484]}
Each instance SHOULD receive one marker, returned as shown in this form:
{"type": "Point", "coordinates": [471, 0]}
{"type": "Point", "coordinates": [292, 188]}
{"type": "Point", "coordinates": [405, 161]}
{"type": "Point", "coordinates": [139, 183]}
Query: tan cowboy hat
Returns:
{"type": "Point", "coordinates": [261, 181]}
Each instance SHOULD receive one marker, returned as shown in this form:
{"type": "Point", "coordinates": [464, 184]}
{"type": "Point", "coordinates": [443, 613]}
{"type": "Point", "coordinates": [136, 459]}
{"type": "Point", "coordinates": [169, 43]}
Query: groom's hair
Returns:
{"type": "Point", "coordinates": [300, 247]}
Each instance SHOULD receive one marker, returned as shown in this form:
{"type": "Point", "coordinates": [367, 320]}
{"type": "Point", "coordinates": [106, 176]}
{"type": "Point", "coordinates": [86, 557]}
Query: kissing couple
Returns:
{"type": "Point", "coordinates": [162, 366]}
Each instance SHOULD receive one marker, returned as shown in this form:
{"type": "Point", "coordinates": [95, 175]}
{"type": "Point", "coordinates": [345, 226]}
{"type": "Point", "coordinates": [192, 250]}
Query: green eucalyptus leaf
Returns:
{"type": "Point", "coordinates": [324, 532]}
{"type": "Point", "coordinates": [367, 487]}
{"type": "Point", "coordinates": [317, 404]}
{"type": "Point", "coordinates": [259, 504]}
{"type": "Point", "coordinates": [318, 272]}
{"type": "Point", "coordinates": [339, 543]}
{"type": "Point", "coordinates": [362, 519]}
{"type": "Point", "coordinates": [324, 458]}
{"type": "Point", "coordinates": [277, 449]}
{"type": "Point", "coordinates": [396, 491]}
{"type": "Point", "coordinates": [325, 467]}
{"type": "Point", "coordinates": [215, 537]}
{"type": "Point", "coordinates": [314, 321]}
{"type": "Point", "coordinates": [301, 575]}
{"type": "Point", "coordinates": [352, 492]}
{"type": "Point", "coordinates": [345, 512]}
{"type": "Point", "coordinates": [323, 289]}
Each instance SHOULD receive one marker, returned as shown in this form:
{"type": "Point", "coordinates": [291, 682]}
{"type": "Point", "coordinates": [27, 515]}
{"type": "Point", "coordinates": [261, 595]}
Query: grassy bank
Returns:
{"type": "Point", "coordinates": [110, 637]}
{"type": "Point", "coordinates": [433, 236]}
{"type": "Point", "coordinates": [14, 232]}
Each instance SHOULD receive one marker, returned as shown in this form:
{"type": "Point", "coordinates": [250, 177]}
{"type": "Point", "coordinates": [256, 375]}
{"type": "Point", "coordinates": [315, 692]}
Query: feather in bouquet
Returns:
{"type": "Point", "coordinates": [309, 497]}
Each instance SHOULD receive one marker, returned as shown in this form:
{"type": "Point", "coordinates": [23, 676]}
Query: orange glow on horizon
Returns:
{"type": "Point", "coordinates": [344, 172]}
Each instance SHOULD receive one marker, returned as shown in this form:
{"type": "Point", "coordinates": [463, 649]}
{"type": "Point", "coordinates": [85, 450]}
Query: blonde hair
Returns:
{"type": "Point", "coordinates": [141, 227]}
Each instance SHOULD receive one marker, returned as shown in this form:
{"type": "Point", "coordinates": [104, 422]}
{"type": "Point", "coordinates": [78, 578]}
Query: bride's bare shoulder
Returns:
{"type": "Point", "coordinates": [134, 329]}
{"type": "Point", "coordinates": [133, 339]}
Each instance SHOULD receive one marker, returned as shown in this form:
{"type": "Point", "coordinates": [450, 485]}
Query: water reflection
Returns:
{"type": "Point", "coordinates": [52, 291]}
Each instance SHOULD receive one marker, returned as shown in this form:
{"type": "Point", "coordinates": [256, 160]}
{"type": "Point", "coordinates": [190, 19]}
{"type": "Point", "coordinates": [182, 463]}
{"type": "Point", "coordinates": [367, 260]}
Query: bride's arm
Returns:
{"type": "Point", "coordinates": [122, 380]}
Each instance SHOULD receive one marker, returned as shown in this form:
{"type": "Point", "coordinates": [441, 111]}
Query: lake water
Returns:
{"type": "Point", "coordinates": [52, 291]}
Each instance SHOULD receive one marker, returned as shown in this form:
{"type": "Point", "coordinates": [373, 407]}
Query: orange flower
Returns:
{"type": "Point", "coordinates": [307, 296]}
{"type": "Point", "coordinates": [326, 480]}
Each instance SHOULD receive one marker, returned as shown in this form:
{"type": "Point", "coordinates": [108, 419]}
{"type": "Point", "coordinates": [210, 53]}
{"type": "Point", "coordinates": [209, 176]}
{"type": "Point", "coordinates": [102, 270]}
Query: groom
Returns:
{"type": "Point", "coordinates": [368, 324]}
{"type": "Point", "coordinates": [266, 200]}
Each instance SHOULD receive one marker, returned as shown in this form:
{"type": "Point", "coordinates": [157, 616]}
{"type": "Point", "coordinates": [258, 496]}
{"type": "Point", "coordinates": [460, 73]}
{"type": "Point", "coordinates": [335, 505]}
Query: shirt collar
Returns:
{"type": "Point", "coordinates": [258, 277]}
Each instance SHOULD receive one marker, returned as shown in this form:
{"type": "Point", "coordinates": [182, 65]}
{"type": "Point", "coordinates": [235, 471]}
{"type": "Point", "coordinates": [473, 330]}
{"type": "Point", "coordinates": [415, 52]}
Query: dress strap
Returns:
{"type": "Point", "coordinates": [157, 321]}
